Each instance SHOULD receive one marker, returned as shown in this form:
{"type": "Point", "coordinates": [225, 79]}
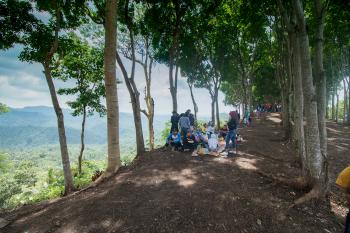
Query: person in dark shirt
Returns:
{"type": "Point", "coordinates": [189, 142]}
{"type": "Point", "coordinates": [191, 117]}
{"type": "Point", "coordinates": [174, 122]}
{"type": "Point", "coordinates": [232, 130]}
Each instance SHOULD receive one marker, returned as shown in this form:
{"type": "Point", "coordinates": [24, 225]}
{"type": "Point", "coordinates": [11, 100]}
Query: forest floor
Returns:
{"type": "Point", "coordinates": [175, 192]}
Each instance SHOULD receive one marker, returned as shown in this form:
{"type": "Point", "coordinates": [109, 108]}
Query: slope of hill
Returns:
{"type": "Point", "coordinates": [175, 192]}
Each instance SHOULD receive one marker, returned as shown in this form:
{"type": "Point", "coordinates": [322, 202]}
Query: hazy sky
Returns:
{"type": "Point", "coordinates": [23, 84]}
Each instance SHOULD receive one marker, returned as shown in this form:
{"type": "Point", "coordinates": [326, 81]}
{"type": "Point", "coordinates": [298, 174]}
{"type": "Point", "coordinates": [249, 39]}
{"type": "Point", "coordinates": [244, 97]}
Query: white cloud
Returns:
{"type": "Point", "coordinates": [23, 84]}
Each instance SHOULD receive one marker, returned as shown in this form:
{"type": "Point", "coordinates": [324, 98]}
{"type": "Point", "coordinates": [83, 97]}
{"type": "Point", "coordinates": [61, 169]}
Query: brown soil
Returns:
{"type": "Point", "coordinates": [174, 192]}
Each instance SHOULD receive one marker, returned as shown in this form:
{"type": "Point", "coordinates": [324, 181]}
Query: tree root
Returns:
{"type": "Point", "coordinates": [315, 193]}
{"type": "Point", "coordinates": [299, 183]}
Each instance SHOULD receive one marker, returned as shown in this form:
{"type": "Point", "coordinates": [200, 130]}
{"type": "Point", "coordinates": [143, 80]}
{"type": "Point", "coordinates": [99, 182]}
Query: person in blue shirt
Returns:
{"type": "Point", "coordinates": [174, 140]}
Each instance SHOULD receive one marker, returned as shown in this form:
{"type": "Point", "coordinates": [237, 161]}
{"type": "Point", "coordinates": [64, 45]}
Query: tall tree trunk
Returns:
{"type": "Point", "coordinates": [173, 52]}
{"type": "Point", "coordinates": [321, 83]}
{"type": "Point", "coordinates": [213, 110]}
{"type": "Point", "coordinates": [148, 98]}
{"type": "Point", "coordinates": [299, 101]}
{"type": "Point", "coordinates": [217, 112]}
{"type": "Point", "coordinates": [67, 173]}
{"type": "Point", "coordinates": [111, 87]}
{"type": "Point", "coordinates": [345, 102]}
{"type": "Point", "coordinates": [150, 103]}
{"type": "Point", "coordinates": [337, 109]}
{"type": "Point", "coordinates": [348, 82]}
{"type": "Point", "coordinates": [333, 103]}
{"type": "Point", "coordinates": [195, 106]}
{"type": "Point", "coordinates": [327, 106]}
{"type": "Point", "coordinates": [68, 178]}
{"type": "Point", "coordinates": [332, 87]}
{"type": "Point", "coordinates": [131, 85]}
{"type": "Point", "coordinates": [80, 158]}
{"type": "Point", "coordinates": [135, 104]}
{"type": "Point", "coordinates": [317, 172]}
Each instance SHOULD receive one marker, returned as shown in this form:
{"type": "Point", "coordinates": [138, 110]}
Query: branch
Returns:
{"type": "Point", "coordinates": [144, 112]}
{"type": "Point", "coordinates": [55, 43]}
{"type": "Point", "coordinates": [93, 17]}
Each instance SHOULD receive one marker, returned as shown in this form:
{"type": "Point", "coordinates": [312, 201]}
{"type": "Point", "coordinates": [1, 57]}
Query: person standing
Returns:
{"type": "Point", "coordinates": [232, 129]}
{"type": "Point", "coordinates": [174, 122]}
{"type": "Point", "coordinates": [191, 117]}
{"type": "Point", "coordinates": [184, 123]}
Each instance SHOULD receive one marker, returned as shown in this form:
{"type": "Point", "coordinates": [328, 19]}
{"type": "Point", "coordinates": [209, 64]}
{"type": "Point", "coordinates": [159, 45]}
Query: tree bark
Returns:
{"type": "Point", "coordinates": [131, 85]}
{"type": "Point", "coordinates": [333, 104]}
{"type": "Point", "coordinates": [195, 106]}
{"type": "Point", "coordinates": [80, 158]}
{"type": "Point", "coordinates": [111, 86]}
{"type": "Point", "coordinates": [213, 110]}
{"type": "Point", "coordinates": [337, 109]}
{"type": "Point", "coordinates": [68, 178]}
{"type": "Point", "coordinates": [217, 112]}
{"type": "Point", "coordinates": [348, 82]}
{"type": "Point", "coordinates": [135, 103]}
{"type": "Point", "coordinates": [317, 172]}
{"type": "Point", "coordinates": [67, 173]}
{"type": "Point", "coordinates": [321, 82]}
{"type": "Point", "coordinates": [299, 102]}
{"type": "Point", "coordinates": [150, 103]}
{"type": "Point", "coordinates": [345, 102]}
{"type": "Point", "coordinates": [173, 52]}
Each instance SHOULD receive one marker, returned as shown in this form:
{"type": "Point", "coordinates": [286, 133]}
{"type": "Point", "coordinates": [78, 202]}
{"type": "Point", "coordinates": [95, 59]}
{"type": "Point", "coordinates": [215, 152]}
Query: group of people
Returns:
{"type": "Point", "coordinates": [185, 135]}
{"type": "Point", "coordinates": [267, 107]}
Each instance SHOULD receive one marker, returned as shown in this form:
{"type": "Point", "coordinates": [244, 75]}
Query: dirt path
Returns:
{"type": "Point", "coordinates": [173, 192]}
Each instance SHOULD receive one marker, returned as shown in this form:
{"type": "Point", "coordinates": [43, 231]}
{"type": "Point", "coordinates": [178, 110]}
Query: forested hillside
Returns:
{"type": "Point", "coordinates": [36, 126]}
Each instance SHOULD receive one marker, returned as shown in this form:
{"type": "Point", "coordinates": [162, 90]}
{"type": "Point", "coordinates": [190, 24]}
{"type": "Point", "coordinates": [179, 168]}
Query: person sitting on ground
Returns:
{"type": "Point", "coordinates": [204, 128]}
{"type": "Point", "coordinates": [189, 142]}
{"type": "Point", "coordinates": [210, 129]}
{"type": "Point", "coordinates": [232, 129]}
{"type": "Point", "coordinates": [174, 140]}
{"type": "Point", "coordinates": [343, 181]}
{"type": "Point", "coordinates": [184, 123]}
{"type": "Point", "coordinates": [213, 143]}
{"type": "Point", "coordinates": [223, 131]}
{"type": "Point", "coordinates": [201, 138]}
{"type": "Point", "coordinates": [174, 122]}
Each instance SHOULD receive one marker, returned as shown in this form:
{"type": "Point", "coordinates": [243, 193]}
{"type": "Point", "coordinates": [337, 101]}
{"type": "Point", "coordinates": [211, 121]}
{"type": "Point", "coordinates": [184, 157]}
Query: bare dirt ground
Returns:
{"type": "Point", "coordinates": [174, 192]}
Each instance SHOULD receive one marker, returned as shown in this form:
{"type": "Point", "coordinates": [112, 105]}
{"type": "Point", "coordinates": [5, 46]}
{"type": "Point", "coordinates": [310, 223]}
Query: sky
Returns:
{"type": "Point", "coordinates": [23, 84]}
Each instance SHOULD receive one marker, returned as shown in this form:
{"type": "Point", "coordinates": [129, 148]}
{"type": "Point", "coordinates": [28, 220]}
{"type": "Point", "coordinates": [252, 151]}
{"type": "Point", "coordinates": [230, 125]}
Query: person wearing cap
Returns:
{"type": "Point", "coordinates": [174, 122]}
{"type": "Point", "coordinates": [343, 181]}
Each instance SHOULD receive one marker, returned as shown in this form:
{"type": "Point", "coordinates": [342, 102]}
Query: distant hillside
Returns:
{"type": "Point", "coordinates": [35, 126]}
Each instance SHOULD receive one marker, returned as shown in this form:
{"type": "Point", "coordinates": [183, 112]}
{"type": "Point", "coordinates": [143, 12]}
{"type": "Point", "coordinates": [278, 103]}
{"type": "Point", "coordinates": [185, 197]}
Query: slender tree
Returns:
{"type": "Point", "coordinates": [316, 162]}
{"type": "Point", "coordinates": [83, 64]}
{"type": "Point", "coordinates": [110, 25]}
{"type": "Point", "coordinates": [129, 79]}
